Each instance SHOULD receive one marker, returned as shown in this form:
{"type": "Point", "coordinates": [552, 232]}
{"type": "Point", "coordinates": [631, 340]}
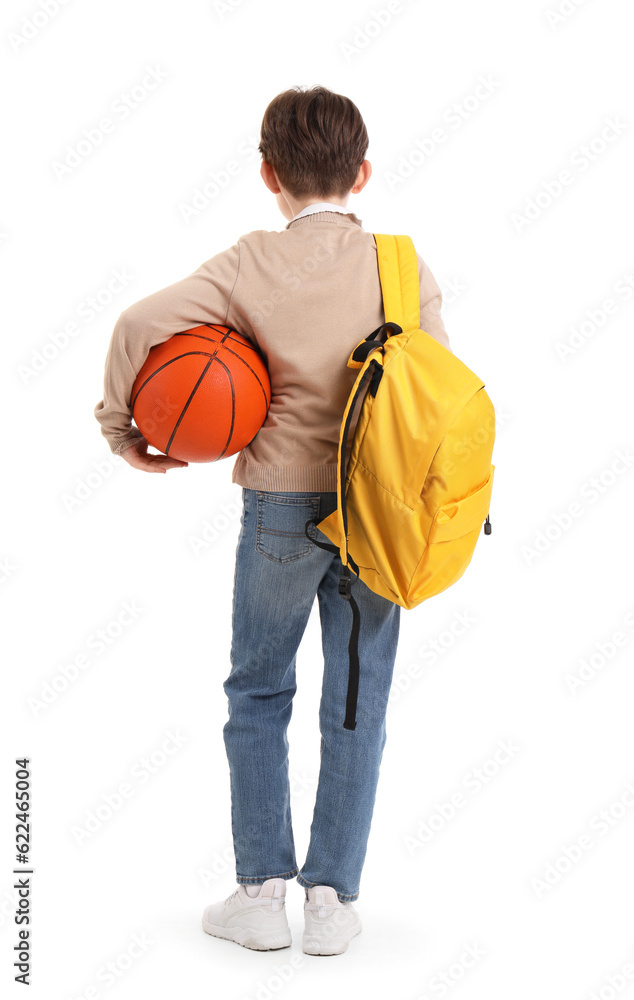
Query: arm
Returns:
{"type": "Point", "coordinates": [430, 303]}
{"type": "Point", "coordinates": [202, 297]}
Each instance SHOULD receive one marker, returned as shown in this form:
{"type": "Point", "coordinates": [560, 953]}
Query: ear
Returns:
{"type": "Point", "coordinates": [269, 177]}
{"type": "Point", "coordinates": [365, 172]}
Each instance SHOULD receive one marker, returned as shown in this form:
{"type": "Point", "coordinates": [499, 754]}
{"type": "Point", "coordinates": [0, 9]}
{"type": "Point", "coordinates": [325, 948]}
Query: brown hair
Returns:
{"type": "Point", "coordinates": [315, 140]}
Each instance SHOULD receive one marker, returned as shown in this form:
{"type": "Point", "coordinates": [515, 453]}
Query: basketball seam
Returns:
{"type": "Point", "coordinates": [233, 408]}
{"type": "Point", "coordinates": [204, 354]}
{"type": "Point", "coordinates": [213, 358]}
{"type": "Point", "coordinates": [186, 406]}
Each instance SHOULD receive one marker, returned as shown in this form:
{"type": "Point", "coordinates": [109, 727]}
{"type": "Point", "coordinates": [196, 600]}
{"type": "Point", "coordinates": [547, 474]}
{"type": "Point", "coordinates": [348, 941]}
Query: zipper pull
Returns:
{"type": "Point", "coordinates": [487, 526]}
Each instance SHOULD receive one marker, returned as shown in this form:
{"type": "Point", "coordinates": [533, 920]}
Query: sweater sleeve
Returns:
{"type": "Point", "coordinates": [430, 303]}
{"type": "Point", "coordinates": [202, 297]}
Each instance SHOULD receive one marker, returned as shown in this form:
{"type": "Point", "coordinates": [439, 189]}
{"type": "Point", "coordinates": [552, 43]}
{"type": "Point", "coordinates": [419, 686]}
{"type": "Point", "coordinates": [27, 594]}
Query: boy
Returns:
{"type": "Point", "coordinates": [306, 296]}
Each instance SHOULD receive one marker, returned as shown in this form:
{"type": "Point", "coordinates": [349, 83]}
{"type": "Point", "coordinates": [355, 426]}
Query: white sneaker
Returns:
{"type": "Point", "coordinates": [329, 924]}
{"type": "Point", "coordinates": [257, 922]}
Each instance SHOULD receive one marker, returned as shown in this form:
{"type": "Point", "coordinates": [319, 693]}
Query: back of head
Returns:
{"type": "Point", "coordinates": [315, 140]}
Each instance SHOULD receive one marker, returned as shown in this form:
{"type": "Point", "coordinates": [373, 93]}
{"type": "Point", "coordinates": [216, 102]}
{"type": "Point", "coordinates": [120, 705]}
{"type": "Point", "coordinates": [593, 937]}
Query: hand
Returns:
{"type": "Point", "coordinates": [137, 456]}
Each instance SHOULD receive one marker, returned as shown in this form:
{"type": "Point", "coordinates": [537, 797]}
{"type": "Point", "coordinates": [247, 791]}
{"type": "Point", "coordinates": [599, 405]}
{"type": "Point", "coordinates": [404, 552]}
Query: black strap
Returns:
{"type": "Point", "coordinates": [371, 377]}
{"type": "Point", "coordinates": [352, 693]}
{"type": "Point", "coordinates": [368, 345]}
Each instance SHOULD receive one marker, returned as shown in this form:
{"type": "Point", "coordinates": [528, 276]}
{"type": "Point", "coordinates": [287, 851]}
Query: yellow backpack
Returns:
{"type": "Point", "coordinates": [417, 486]}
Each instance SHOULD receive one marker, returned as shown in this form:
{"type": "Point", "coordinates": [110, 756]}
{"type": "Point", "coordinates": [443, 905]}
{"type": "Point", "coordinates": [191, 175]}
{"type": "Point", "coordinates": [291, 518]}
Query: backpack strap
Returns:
{"type": "Point", "coordinates": [400, 283]}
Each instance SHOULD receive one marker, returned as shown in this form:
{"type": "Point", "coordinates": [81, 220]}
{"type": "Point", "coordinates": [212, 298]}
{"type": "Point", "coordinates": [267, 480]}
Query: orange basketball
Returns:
{"type": "Point", "coordinates": [201, 395]}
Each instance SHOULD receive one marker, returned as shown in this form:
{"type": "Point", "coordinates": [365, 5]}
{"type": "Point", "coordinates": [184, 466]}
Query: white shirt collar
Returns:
{"type": "Point", "coordinates": [321, 206]}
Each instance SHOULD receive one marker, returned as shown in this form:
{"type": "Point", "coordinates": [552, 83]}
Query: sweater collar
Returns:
{"type": "Point", "coordinates": [339, 218]}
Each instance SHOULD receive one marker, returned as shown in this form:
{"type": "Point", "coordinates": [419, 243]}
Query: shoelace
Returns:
{"type": "Point", "coordinates": [232, 896]}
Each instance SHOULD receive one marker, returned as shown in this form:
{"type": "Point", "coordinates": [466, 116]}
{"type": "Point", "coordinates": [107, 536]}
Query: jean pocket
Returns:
{"type": "Point", "coordinates": [280, 534]}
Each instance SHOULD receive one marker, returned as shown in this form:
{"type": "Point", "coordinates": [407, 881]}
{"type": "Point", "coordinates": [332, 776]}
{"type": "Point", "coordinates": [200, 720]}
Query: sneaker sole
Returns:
{"type": "Point", "coordinates": [257, 940]}
{"type": "Point", "coordinates": [312, 945]}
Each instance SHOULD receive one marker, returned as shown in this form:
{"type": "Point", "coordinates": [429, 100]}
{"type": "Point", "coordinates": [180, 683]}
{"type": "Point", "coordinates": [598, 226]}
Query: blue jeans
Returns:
{"type": "Point", "coordinates": [278, 572]}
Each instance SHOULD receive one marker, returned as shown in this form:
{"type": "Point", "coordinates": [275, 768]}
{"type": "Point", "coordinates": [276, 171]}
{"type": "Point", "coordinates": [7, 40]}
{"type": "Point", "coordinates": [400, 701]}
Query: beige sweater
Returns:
{"type": "Point", "coordinates": [306, 296]}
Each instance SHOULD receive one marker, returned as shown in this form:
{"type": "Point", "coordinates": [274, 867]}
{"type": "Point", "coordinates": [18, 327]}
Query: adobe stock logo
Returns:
{"type": "Point", "coordinates": [562, 12]}
{"type": "Point", "coordinates": [87, 310]}
{"type": "Point", "coordinates": [569, 855]}
{"type": "Point", "coordinates": [596, 317]}
{"type": "Point", "coordinates": [453, 118]}
{"type": "Point", "coordinates": [112, 801]}
{"type": "Point", "coordinates": [121, 108]}
{"type": "Point", "coordinates": [604, 651]}
{"type": "Point", "coordinates": [562, 521]}
{"type": "Point", "coordinates": [218, 180]}
{"type": "Point", "coordinates": [31, 26]}
{"type": "Point", "coordinates": [224, 7]}
{"type": "Point", "coordinates": [581, 159]}
{"type": "Point", "coordinates": [377, 22]}
{"type": "Point", "coordinates": [98, 642]}
{"type": "Point", "coordinates": [441, 982]}
{"type": "Point", "coordinates": [85, 486]}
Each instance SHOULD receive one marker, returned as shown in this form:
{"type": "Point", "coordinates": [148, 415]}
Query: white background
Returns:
{"type": "Point", "coordinates": [495, 873]}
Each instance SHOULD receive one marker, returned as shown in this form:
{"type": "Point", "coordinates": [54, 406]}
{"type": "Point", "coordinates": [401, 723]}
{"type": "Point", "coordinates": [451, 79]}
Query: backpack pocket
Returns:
{"type": "Point", "coordinates": [460, 517]}
{"type": "Point", "coordinates": [452, 538]}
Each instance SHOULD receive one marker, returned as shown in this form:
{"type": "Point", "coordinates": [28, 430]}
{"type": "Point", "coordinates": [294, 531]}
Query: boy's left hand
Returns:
{"type": "Point", "coordinates": [137, 456]}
